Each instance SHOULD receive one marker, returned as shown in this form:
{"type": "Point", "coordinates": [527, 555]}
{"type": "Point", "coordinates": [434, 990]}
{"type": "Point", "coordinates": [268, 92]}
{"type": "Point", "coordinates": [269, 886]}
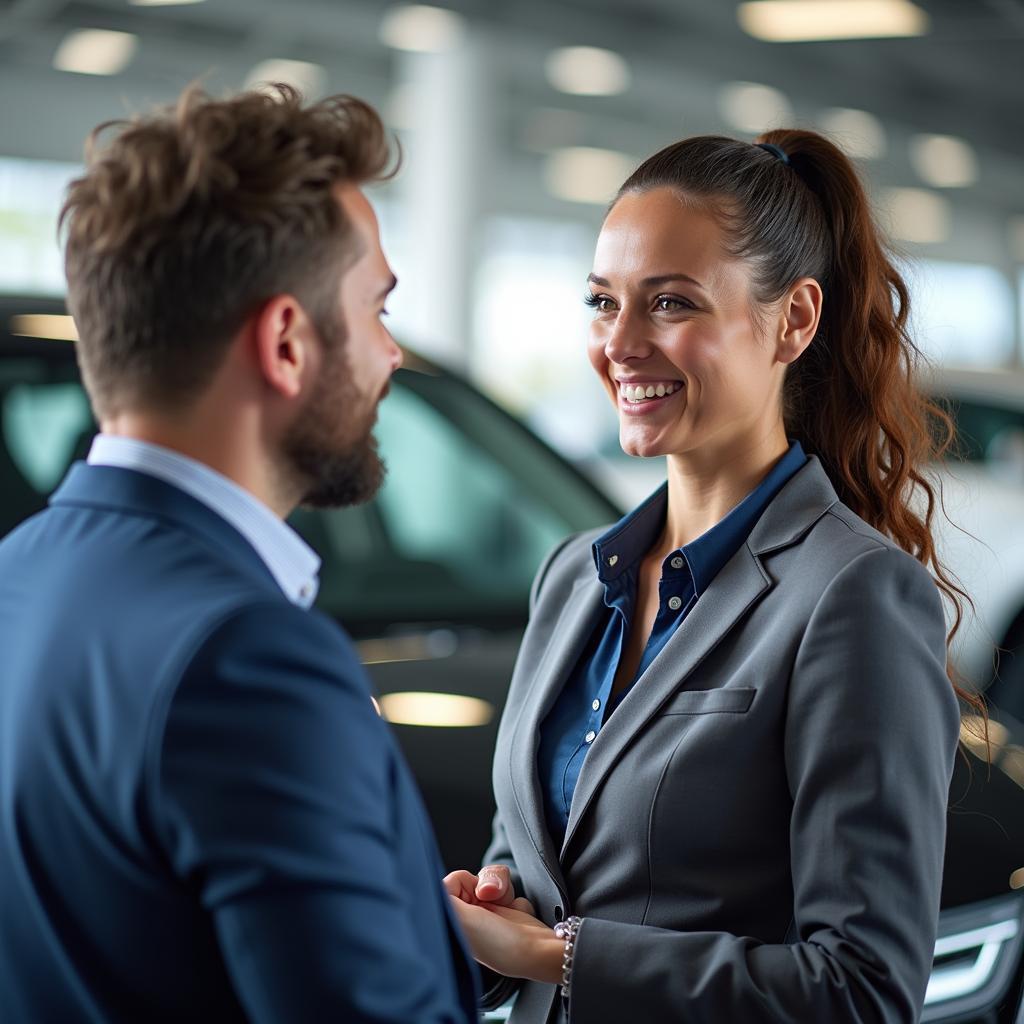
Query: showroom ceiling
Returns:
{"type": "Point", "coordinates": [964, 78]}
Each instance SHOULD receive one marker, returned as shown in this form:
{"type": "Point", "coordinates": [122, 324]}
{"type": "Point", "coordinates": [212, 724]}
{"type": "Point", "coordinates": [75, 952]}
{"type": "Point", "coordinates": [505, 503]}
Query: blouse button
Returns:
{"type": "Point", "coordinates": [590, 736]}
{"type": "Point", "coordinates": [596, 705]}
{"type": "Point", "coordinates": [677, 563]}
{"type": "Point", "coordinates": [675, 603]}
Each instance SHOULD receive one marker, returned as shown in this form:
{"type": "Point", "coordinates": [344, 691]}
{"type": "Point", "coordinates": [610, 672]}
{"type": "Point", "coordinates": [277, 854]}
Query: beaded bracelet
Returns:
{"type": "Point", "coordinates": [568, 930]}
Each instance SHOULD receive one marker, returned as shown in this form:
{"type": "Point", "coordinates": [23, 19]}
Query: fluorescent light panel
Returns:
{"type": "Point", "coordinates": [753, 108]}
{"type": "Point", "coordinates": [309, 79]}
{"type": "Point", "coordinates": [789, 21]}
{"type": "Point", "coordinates": [587, 71]}
{"type": "Point", "coordinates": [93, 51]}
{"type": "Point", "coordinates": [917, 215]}
{"type": "Point", "coordinates": [418, 28]}
{"type": "Point", "coordinates": [859, 133]}
{"type": "Point", "coordinates": [163, 3]}
{"type": "Point", "coordinates": [44, 325]}
{"type": "Point", "coordinates": [581, 174]}
{"type": "Point", "coordinates": [943, 161]}
{"type": "Point", "coordinates": [445, 710]}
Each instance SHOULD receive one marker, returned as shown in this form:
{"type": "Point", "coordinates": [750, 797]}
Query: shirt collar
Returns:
{"type": "Point", "coordinates": [623, 546]}
{"type": "Point", "coordinates": [291, 561]}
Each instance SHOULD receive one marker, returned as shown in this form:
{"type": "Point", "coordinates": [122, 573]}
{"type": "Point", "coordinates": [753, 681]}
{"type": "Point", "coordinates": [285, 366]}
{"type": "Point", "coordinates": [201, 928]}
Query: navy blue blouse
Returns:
{"type": "Point", "coordinates": [586, 702]}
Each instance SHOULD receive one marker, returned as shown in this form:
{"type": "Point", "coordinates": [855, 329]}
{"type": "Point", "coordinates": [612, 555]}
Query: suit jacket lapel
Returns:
{"type": "Point", "coordinates": [741, 583]}
{"type": "Point", "coordinates": [736, 588]}
{"type": "Point", "coordinates": [574, 627]}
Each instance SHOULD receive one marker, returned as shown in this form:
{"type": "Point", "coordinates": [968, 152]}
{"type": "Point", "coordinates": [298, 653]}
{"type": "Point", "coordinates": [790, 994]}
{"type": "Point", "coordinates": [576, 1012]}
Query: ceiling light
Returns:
{"type": "Point", "coordinates": [754, 108]}
{"type": "Point", "coordinates": [436, 709]}
{"type": "Point", "coordinates": [787, 21]}
{"type": "Point", "coordinates": [858, 133]}
{"type": "Point", "coordinates": [44, 325]}
{"type": "Point", "coordinates": [916, 215]}
{"type": "Point", "coordinates": [418, 28]}
{"type": "Point", "coordinates": [943, 161]}
{"type": "Point", "coordinates": [587, 71]}
{"type": "Point", "coordinates": [584, 175]}
{"type": "Point", "coordinates": [162, 3]}
{"type": "Point", "coordinates": [93, 51]}
{"type": "Point", "coordinates": [309, 79]}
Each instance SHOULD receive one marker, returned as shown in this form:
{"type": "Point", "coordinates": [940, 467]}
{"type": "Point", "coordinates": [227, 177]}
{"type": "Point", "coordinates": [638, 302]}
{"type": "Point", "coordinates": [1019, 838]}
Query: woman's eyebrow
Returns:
{"type": "Point", "coordinates": [648, 282]}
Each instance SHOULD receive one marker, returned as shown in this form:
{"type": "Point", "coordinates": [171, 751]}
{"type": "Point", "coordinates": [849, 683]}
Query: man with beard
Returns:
{"type": "Point", "coordinates": [203, 817]}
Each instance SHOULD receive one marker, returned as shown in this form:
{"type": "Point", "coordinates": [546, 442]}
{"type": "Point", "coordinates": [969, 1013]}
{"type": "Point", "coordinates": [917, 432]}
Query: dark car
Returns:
{"type": "Point", "coordinates": [432, 580]}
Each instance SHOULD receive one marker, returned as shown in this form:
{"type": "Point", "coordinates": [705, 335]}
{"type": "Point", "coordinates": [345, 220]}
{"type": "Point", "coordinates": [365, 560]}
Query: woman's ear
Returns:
{"type": "Point", "coordinates": [284, 338]}
{"type": "Point", "coordinates": [798, 316]}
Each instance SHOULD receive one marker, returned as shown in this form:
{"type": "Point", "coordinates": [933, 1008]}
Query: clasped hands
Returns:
{"type": "Point", "coordinates": [503, 931]}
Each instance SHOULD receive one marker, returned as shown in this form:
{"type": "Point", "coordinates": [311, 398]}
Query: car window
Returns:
{"type": "Point", "coordinates": [985, 430]}
{"type": "Point", "coordinates": [45, 423]}
{"type": "Point", "coordinates": [471, 502]}
{"type": "Point", "coordinates": [470, 506]}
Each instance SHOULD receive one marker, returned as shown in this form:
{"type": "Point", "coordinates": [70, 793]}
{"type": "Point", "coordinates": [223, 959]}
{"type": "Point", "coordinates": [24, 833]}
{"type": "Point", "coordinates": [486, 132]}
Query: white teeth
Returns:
{"type": "Point", "coordinates": [642, 392]}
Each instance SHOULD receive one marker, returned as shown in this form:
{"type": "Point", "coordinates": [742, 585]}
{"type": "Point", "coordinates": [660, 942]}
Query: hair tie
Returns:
{"type": "Point", "coordinates": [776, 151]}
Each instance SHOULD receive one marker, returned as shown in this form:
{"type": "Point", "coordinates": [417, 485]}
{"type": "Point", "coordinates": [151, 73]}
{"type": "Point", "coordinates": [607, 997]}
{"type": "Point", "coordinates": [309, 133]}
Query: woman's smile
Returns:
{"type": "Point", "coordinates": [643, 397]}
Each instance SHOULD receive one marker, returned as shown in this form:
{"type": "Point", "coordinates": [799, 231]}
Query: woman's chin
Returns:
{"type": "Point", "coordinates": [638, 448]}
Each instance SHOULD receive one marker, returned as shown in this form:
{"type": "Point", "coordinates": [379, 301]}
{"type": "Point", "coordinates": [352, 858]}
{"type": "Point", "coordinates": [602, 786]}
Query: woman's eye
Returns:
{"type": "Point", "coordinates": [669, 304]}
{"type": "Point", "coordinates": [599, 303]}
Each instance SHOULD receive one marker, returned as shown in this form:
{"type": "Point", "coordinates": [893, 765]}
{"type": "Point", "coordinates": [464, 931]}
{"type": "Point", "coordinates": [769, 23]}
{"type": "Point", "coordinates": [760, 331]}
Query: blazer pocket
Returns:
{"type": "Point", "coordinates": [702, 702]}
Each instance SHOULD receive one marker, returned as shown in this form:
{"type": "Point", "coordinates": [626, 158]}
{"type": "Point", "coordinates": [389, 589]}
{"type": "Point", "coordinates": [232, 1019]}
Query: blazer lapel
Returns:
{"type": "Point", "coordinates": [734, 590]}
{"type": "Point", "coordinates": [741, 583]}
{"type": "Point", "coordinates": [574, 627]}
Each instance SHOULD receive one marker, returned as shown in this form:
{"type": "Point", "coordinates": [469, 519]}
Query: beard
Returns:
{"type": "Point", "coordinates": [330, 448]}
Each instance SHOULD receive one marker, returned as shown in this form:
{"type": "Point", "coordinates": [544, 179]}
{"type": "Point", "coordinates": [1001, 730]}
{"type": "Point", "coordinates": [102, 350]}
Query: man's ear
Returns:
{"type": "Point", "coordinates": [285, 342]}
{"type": "Point", "coordinates": [798, 319]}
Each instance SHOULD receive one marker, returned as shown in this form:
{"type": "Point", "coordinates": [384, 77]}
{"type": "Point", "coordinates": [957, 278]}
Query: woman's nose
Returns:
{"type": "Point", "coordinates": [627, 339]}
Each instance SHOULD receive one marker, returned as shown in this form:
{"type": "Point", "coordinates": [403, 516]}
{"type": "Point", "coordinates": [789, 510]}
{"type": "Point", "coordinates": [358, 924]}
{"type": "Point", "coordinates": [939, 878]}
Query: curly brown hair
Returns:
{"type": "Point", "coordinates": [196, 214]}
{"type": "Point", "coordinates": [851, 399]}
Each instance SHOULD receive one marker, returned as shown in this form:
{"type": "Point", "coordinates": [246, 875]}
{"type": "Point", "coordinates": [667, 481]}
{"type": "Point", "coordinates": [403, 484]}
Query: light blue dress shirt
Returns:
{"type": "Point", "coordinates": [291, 561]}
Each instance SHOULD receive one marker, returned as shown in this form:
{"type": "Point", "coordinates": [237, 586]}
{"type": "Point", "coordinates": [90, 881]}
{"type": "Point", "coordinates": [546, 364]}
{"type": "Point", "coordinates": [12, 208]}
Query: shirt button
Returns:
{"type": "Point", "coordinates": [676, 563]}
{"type": "Point", "coordinates": [596, 705]}
{"type": "Point", "coordinates": [589, 738]}
{"type": "Point", "coordinates": [675, 603]}
{"type": "Point", "coordinates": [612, 559]}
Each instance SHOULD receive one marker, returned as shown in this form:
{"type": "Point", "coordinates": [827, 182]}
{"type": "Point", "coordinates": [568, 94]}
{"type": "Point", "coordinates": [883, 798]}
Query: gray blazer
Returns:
{"type": "Point", "coordinates": [757, 833]}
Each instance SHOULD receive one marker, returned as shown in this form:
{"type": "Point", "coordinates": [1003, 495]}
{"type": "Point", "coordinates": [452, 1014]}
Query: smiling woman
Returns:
{"type": "Point", "coordinates": [722, 770]}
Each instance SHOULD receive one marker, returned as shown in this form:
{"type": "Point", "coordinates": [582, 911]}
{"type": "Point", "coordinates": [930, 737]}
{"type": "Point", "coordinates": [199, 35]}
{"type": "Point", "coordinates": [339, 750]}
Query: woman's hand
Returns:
{"type": "Point", "coordinates": [492, 885]}
{"type": "Point", "coordinates": [510, 939]}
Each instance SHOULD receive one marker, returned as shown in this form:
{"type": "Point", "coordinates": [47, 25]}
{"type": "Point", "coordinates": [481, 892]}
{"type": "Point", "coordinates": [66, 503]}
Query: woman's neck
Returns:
{"type": "Point", "coordinates": [706, 484]}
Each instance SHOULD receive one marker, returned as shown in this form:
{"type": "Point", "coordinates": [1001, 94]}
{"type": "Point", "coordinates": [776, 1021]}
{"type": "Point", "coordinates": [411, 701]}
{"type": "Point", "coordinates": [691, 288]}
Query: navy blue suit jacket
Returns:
{"type": "Point", "coordinates": [201, 815]}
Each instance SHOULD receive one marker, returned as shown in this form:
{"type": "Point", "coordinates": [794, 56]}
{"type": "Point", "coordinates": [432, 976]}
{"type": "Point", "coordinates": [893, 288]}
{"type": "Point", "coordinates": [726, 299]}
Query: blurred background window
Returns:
{"type": "Point", "coordinates": [31, 193]}
{"type": "Point", "coordinates": [962, 313]}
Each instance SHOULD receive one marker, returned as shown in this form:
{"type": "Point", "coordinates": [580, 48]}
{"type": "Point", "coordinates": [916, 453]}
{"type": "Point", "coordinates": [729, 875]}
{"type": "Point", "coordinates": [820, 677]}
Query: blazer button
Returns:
{"type": "Point", "coordinates": [558, 914]}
